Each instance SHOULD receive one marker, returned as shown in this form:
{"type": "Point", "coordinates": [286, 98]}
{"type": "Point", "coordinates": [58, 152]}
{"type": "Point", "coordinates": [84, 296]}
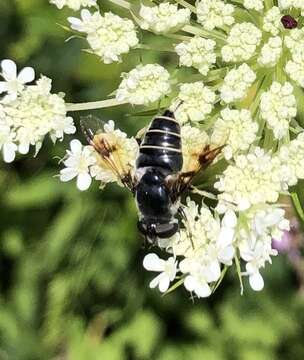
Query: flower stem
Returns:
{"type": "Point", "coordinates": [297, 205]}
{"type": "Point", "coordinates": [94, 105]}
{"type": "Point", "coordinates": [187, 5]}
{"type": "Point", "coordinates": [239, 273]}
{"type": "Point", "coordinates": [203, 193]}
{"type": "Point", "coordinates": [121, 3]}
{"type": "Point", "coordinates": [154, 48]}
{"type": "Point", "coordinates": [195, 30]}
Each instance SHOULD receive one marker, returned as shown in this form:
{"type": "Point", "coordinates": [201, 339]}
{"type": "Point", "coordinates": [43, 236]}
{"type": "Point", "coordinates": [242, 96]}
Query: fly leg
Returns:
{"type": "Point", "coordinates": [183, 215]}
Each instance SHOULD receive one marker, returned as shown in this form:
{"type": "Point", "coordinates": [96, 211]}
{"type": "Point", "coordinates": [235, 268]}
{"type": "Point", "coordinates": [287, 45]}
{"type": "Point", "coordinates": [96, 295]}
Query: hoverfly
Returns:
{"type": "Point", "coordinates": [158, 181]}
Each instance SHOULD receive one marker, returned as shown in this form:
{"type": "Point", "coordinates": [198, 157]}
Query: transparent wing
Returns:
{"type": "Point", "coordinates": [91, 126]}
{"type": "Point", "coordinates": [96, 135]}
{"type": "Point", "coordinates": [181, 183]}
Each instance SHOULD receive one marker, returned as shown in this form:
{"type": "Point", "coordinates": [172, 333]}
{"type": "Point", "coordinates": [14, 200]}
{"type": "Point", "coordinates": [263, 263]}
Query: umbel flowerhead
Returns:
{"type": "Point", "coordinates": [234, 78]}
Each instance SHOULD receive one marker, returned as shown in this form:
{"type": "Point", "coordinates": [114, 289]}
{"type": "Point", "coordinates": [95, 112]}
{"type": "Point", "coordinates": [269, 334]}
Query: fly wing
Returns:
{"type": "Point", "coordinates": [181, 182]}
{"type": "Point", "coordinates": [94, 130]}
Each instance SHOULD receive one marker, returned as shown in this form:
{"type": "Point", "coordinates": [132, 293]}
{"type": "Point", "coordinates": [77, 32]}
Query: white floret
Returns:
{"type": "Point", "coordinates": [195, 102]}
{"type": "Point", "coordinates": [198, 53]}
{"type": "Point", "coordinates": [271, 52]}
{"type": "Point", "coordinates": [236, 130]}
{"type": "Point", "coordinates": [278, 106]}
{"type": "Point", "coordinates": [236, 83]}
{"type": "Point", "coordinates": [163, 18]}
{"type": "Point", "coordinates": [144, 84]}
{"type": "Point", "coordinates": [242, 42]}
{"type": "Point", "coordinates": [214, 13]}
{"type": "Point", "coordinates": [272, 21]}
{"type": "Point", "coordinates": [254, 5]}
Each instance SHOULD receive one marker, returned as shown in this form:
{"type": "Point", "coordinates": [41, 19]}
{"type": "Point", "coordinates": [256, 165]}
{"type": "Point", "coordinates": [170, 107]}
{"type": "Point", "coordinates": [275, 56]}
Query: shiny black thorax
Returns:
{"type": "Point", "coordinates": [160, 155]}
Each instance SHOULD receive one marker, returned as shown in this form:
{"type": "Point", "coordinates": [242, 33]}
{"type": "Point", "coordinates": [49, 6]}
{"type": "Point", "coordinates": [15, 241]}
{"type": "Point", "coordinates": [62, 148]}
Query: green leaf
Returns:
{"type": "Point", "coordinates": [39, 191]}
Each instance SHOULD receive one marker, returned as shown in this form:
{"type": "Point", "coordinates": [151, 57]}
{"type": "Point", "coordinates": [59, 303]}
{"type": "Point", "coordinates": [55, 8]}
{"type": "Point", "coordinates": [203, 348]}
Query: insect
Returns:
{"type": "Point", "coordinates": [157, 182]}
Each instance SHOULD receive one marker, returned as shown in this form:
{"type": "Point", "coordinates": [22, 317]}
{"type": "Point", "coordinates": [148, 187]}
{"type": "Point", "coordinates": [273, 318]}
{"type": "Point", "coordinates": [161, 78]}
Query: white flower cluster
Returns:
{"type": "Point", "coordinates": [295, 67]}
{"type": "Point", "coordinates": [84, 163]}
{"type": "Point", "coordinates": [109, 36]}
{"type": "Point", "coordinates": [292, 159]}
{"type": "Point", "coordinates": [242, 42]}
{"type": "Point", "coordinates": [287, 4]}
{"type": "Point", "coordinates": [163, 18]}
{"type": "Point", "coordinates": [210, 246]}
{"type": "Point", "coordinates": [272, 21]}
{"type": "Point", "coordinates": [259, 226]}
{"type": "Point", "coordinates": [293, 39]}
{"type": "Point", "coordinates": [167, 269]}
{"type": "Point", "coordinates": [257, 5]}
{"type": "Point", "coordinates": [271, 52]}
{"type": "Point", "coordinates": [197, 52]}
{"type": "Point", "coordinates": [278, 106]}
{"type": "Point", "coordinates": [144, 84]}
{"type": "Point", "coordinates": [77, 164]}
{"type": "Point", "coordinates": [194, 141]}
{"type": "Point", "coordinates": [29, 113]}
{"type": "Point", "coordinates": [73, 4]}
{"type": "Point", "coordinates": [253, 178]}
{"type": "Point", "coordinates": [207, 243]}
{"type": "Point", "coordinates": [236, 83]}
{"type": "Point", "coordinates": [195, 101]}
{"type": "Point", "coordinates": [235, 129]}
{"type": "Point", "coordinates": [214, 13]}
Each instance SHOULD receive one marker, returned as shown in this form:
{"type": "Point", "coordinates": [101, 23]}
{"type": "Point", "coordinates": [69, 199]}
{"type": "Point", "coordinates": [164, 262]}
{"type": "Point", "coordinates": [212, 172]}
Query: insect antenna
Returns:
{"type": "Point", "coordinates": [178, 105]}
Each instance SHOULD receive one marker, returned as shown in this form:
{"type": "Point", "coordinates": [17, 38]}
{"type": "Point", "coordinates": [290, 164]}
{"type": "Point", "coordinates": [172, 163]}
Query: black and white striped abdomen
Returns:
{"type": "Point", "coordinates": [162, 146]}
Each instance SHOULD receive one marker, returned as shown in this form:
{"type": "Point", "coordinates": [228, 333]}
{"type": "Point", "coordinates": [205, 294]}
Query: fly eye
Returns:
{"type": "Point", "coordinates": [166, 230]}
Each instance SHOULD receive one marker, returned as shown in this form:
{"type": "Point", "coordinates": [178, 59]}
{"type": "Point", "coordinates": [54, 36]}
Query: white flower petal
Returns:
{"type": "Point", "coordinates": [164, 283]}
{"type": "Point", "coordinates": [203, 290]}
{"type": "Point", "coordinates": [226, 236]}
{"type": "Point", "coordinates": [244, 204]}
{"type": "Point", "coordinates": [3, 86]}
{"type": "Point", "coordinates": [155, 282]}
{"type": "Point", "coordinates": [153, 263]}
{"type": "Point", "coordinates": [212, 272]}
{"type": "Point", "coordinates": [226, 255]}
{"type": "Point", "coordinates": [26, 75]}
{"type": "Point", "coordinates": [76, 146]}
{"type": "Point", "coordinates": [83, 181]}
{"type": "Point", "coordinates": [9, 69]}
{"type": "Point", "coordinates": [230, 219]}
{"type": "Point", "coordinates": [85, 14]}
{"type": "Point", "coordinates": [9, 151]}
{"type": "Point", "coordinates": [67, 174]}
{"type": "Point", "coordinates": [76, 24]}
{"type": "Point", "coordinates": [256, 281]}
{"type": "Point", "coordinates": [24, 148]}
{"type": "Point", "coordinates": [190, 283]}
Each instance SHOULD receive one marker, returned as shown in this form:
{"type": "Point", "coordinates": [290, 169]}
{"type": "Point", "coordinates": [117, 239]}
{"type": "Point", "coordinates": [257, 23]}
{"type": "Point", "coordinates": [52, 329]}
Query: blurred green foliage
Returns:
{"type": "Point", "coordinates": [72, 283]}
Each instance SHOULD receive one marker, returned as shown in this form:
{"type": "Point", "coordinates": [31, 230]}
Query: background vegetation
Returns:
{"type": "Point", "coordinates": [72, 284]}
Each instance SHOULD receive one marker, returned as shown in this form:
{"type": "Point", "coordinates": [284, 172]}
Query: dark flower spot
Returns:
{"type": "Point", "coordinates": [289, 22]}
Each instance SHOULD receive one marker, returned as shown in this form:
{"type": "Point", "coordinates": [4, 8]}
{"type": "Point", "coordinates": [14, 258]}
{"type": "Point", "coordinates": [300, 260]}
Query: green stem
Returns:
{"type": "Point", "coordinates": [186, 5]}
{"type": "Point", "coordinates": [297, 205]}
{"type": "Point", "coordinates": [220, 279]}
{"type": "Point", "coordinates": [268, 4]}
{"type": "Point", "coordinates": [154, 48]}
{"type": "Point", "coordinates": [195, 30]}
{"type": "Point", "coordinates": [121, 3]}
{"type": "Point", "coordinates": [239, 273]}
{"type": "Point", "coordinates": [203, 193]}
{"type": "Point", "coordinates": [94, 105]}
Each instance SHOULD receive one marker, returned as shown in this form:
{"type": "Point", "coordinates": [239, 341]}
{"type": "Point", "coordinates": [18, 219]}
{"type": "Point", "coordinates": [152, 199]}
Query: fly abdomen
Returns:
{"type": "Point", "coordinates": [161, 146]}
